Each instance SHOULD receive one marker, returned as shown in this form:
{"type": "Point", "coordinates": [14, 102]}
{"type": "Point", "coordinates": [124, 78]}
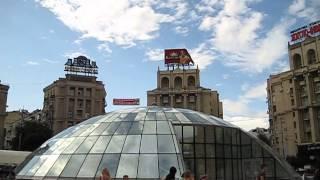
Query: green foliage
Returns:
{"type": "Point", "coordinates": [264, 138]}
{"type": "Point", "coordinates": [32, 134]}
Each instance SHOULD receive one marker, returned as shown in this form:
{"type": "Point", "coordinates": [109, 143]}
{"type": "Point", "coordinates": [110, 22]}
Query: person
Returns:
{"type": "Point", "coordinates": [187, 175]}
{"type": "Point", "coordinates": [125, 177]}
{"type": "Point", "coordinates": [105, 174]}
{"type": "Point", "coordinates": [317, 174]}
{"type": "Point", "coordinates": [204, 177]}
{"type": "Point", "coordinates": [262, 173]}
{"type": "Point", "coordinates": [172, 174]}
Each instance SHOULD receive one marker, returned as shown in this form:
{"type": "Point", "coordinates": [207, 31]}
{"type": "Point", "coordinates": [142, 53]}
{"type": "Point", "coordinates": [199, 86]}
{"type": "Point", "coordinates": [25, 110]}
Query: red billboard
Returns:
{"type": "Point", "coordinates": [177, 56]}
{"type": "Point", "coordinates": [299, 35]}
{"type": "Point", "coordinates": [135, 101]}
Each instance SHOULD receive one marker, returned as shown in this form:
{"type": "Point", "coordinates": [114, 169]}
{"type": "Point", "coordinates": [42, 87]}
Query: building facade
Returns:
{"type": "Point", "coordinates": [73, 99]}
{"type": "Point", "coordinates": [294, 100]}
{"type": "Point", "coordinates": [16, 119]}
{"type": "Point", "coordinates": [3, 106]}
{"type": "Point", "coordinates": [180, 88]}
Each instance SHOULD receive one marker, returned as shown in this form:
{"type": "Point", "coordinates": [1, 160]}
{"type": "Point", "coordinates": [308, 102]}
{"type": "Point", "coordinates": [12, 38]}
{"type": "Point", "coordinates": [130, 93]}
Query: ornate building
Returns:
{"type": "Point", "coordinates": [181, 88]}
{"type": "Point", "coordinates": [294, 100]}
{"type": "Point", "coordinates": [74, 98]}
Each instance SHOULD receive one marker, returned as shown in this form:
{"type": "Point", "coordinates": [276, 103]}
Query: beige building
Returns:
{"type": "Point", "coordinates": [16, 119]}
{"type": "Point", "coordinates": [13, 120]}
{"type": "Point", "coordinates": [3, 106]}
{"type": "Point", "coordinates": [181, 88]}
{"type": "Point", "coordinates": [72, 99]}
{"type": "Point", "coordinates": [294, 100]}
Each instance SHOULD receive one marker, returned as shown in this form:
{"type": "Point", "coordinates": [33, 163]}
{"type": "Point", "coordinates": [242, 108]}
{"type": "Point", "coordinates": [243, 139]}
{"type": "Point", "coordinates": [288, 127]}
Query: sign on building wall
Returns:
{"type": "Point", "coordinates": [177, 56]}
{"type": "Point", "coordinates": [81, 64]}
{"type": "Point", "coordinates": [135, 101]}
{"type": "Point", "coordinates": [300, 34]}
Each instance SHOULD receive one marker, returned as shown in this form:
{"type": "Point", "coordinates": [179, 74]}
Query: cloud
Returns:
{"type": "Point", "coordinates": [76, 54]}
{"type": "Point", "coordinates": [181, 30]}
{"type": "Point", "coordinates": [155, 54]}
{"type": "Point", "coordinates": [32, 63]}
{"type": "Point", "coordinates": [122, 22]}
{"type": "Point", "coordinates": [50, 61]}
{"type": "Point", "coordinates": [308, 10]}
{"type": "Point", "coordinates": [242, 112]}
{"type": "Point", "coordinates": [226, 76]}
{"type": "Point", "coordinates": [249, 48]}
{"type": "Point", "coordinates": [104, 47]}
{"type": "Point", "coordinates": [202, 55]}
{"type": "Point", "coordinates": [257, 92]}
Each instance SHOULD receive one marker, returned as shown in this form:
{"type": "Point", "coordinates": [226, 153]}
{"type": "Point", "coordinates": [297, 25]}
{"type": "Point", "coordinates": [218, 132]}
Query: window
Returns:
{"type": "Point", "coordinates": [178, 83]}
{"type": "Point", "coordinates": [165, 82]}
{"type": "Point", "coordinates": [297, 61]}
{"type": "Point", "coordinates": [88, 92]}
{"type": "Point", "coordinates": [72, 91]}
{"type": "Point", "coordinates": [311, 54]}
{"type": "Point", "coordinates": [191, 82]}
{"type": "Point", "coordinates": [80, 91]}
{"type": "Point", "coordinates": [274, 108]}
{"type": "Point", "coordinates": [292, 102]}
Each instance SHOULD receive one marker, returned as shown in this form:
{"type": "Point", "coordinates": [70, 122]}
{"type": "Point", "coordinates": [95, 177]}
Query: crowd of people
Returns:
{"type": "Point", "coordinates": [187, 175]}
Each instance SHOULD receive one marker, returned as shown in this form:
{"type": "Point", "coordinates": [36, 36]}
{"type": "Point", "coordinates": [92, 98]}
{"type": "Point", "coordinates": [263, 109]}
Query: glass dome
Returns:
{"type": "Point", "coordinates": [145, 142]}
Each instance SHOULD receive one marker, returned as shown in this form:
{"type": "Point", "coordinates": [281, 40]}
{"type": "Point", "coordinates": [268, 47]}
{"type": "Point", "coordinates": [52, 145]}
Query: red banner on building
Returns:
{"type": "Point", "coordinates": [299, 35]}
{"type": "Point", "coordinates": [135, 101]}
{"type": "Point", "coordinates": [177, 56]}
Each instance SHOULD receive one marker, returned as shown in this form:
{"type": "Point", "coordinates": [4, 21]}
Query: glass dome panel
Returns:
{"type": "Point", "coordinates": [145, 142]}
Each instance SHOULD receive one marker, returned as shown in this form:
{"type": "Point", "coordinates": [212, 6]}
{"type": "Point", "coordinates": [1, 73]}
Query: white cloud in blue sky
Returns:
{"type": "Point", "coordinates": [236, 44]}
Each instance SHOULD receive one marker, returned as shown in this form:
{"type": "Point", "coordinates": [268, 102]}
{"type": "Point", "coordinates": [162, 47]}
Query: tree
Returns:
{"type": "Point", "coordinates": [32, 134]}
{"type": "Point", "coordinates": [264, 138]}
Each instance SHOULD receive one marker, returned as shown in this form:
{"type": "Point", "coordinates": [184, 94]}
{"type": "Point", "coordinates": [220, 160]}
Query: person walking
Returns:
{"type": "Point", "coordinates": [262, 173]}
{"type": "Point", "coordinates": [105, 174]}
{"type": "Point", "coordinates": [187, 175]}
{"type": "Point", "coordinates": [172, 174]}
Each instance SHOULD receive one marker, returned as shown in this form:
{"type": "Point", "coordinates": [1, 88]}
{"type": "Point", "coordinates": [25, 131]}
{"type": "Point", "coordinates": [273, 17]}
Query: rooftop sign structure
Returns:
{"type": "Point", "coordinates": [176, 57]}
{"type": "Point", "coordinates": [81, 64]}
{"type": "Point", "coordinates": [300, 34]}
{"type": "Point", "coordinates": [135, 101]}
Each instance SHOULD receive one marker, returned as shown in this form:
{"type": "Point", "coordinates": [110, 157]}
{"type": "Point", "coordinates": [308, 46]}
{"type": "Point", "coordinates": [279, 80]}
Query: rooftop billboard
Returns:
{"type": "Point", "coordinates": [300, 34]}
{"type": "Point", "coordinates": [135, 101]}
{"type": "Point", "coordinates": [177, 56]}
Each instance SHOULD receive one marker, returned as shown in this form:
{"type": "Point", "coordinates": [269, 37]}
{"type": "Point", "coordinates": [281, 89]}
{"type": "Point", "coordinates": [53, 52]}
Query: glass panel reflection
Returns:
{"type": "Point", "coordinates": [148, 144]}
{"type": "Point", "coordinates": [90, 166]}
{"type": "Point", "coordinates": [165, 162]}
{"type": "Point", "coordinates": [163, 127]}
{"type": "Point", "coordinates": [128, 165]}
{"type": "Point", "coordinates": [58, 165]}
{"type": "Point", "coordinates": [42, 171]}
{"type": "Point", "coordinates": [124, 128]}
{"type": "Point", "coordinates": [73, 166]}
{"type": "Point", "coordinates": [87, 144]}
{"type": "Point", "coordinates": [132, 144]}
{"type": "Point", "coordinates": [136, 127]}
{"type": "Point", "coordinates": [101, 144]}
{"type": "Point", "coordinates": [148, 166]}
{"type": "Point", "coordinates": [149, 127]}
{"type": "Point", "coordinates": [116, 144]}
{"type": "Point", "coordinates": [109, 161]}
{"type": "Point", "coordinates": [165, 144]}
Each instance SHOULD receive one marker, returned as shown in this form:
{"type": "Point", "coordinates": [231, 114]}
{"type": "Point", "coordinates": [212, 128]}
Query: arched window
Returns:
{"type": "Point", "coordinates": [178, 83]}
{"type": "Point", "coordinates": [297, 61]}
{"type": "Point", "coordinates": [311, 56]}
{"type": "Point", "coordinates": [191, 81]}
{"type": "Point", "coordinates": [165, 82]}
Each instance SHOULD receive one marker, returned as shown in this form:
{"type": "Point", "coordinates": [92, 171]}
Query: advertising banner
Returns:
{"type": "Point", "coordinates": [135, 101]}
{"type": "Point", "coordinates": [177, 56]}
{"type": "Point", "coordinates": [300, 34]}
